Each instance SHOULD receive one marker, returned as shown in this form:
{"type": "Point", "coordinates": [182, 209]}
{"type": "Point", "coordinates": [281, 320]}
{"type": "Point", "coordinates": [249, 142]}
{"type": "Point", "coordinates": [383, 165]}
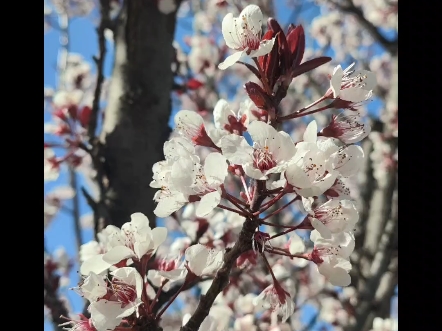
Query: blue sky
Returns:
{"type": "Point", "coordinates": [83, 40]}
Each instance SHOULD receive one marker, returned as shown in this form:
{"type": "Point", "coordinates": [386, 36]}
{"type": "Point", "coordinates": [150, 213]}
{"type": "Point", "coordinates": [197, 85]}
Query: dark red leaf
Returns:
{"type": "Point", "coordinates": [272, 69]}
{"type": "Point", "coordinates": [310, 65]}
{"type": "Point", "coordinates": [290, 28]}
{"type": "Point", "coordinates": [284, 50]}
{"type": "Point", "coordinates": [272, 24]}
{"type": "Point", "coordinates": [296, 41]}
{"type": "Point", "coordinates": [257, 95]}
{"type": "Point", "coordinates": [262, 60]}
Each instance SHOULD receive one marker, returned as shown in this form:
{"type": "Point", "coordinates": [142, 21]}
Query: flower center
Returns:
{"type": "Point", "coordinates": [124, 293]}
{"type": "Point", "coordinates": [263, 159]}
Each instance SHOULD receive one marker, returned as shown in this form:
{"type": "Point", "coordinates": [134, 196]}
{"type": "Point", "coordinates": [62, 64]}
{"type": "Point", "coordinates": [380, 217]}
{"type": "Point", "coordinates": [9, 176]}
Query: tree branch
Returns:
{"type": "Point", "coordinates": [221, 279]}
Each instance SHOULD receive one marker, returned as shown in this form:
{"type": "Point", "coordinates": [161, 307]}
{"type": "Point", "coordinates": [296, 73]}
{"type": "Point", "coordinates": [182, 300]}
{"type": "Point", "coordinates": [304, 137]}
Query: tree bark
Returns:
{"type": "Point", "coordinates": [139, 106]}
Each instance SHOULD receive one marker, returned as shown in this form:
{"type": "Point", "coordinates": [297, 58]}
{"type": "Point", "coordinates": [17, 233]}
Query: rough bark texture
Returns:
{"type": "Point", "coordinates": [135, 125]}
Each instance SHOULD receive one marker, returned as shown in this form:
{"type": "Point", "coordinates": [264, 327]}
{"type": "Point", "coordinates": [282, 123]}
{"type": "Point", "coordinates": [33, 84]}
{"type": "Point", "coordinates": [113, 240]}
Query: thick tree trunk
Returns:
{"type": "Point", "coordinates": [135, 125]}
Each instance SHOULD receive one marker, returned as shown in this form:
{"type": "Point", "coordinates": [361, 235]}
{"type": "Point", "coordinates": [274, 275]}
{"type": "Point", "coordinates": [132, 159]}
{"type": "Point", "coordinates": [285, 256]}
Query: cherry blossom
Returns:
{"type": "Point", "coordinates": [203, 261]}
{"type": "Point", "coordinates": [126, 288]}
{"type": "Point", "coordinates": [172, 270]}
{"type": "Point", "coordinates": [334, 216]}
{"type": "Point", "coordinates": [347, 127]}
{"type": "Point", "coordinates": [277, 299]}
{"type": "Point", "coordinates": [189, 124]}
{"type": "Point", "coordinates": [243, 34]}
{"type": "Point", "coordinates": [352, 85]}
{"type": "Point", "coordinates": [270, 153]}
{"type": "Point", "coordinates": [331, 256]}
{"type": "Point", "coordinates": [135, 240]}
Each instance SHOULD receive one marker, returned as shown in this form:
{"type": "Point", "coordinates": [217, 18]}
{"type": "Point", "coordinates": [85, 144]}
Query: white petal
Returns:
{"type": "Point", "coordinates": [339, 277]}
{"type": "Point", "coordinates": [236, 149]}
{"type": "Point", "coordinates": [207, 203]}
{"type": "Point", "coordinates": [348, 161]}
{"type": "Point", "coordinates": [321, 228]}
{"type": "Point", "coordinates": [188, 117]}
{"type": "Point", "coordinates": [216, 135]}
{"type": "Point", "coordinates": [311, 132]}
{"type": "Point", "coordinates": [354, 94]}
{"type": "Point", "coordinates": [94, 287]}
{"type": "Point", "coordinates": [221, 113]}
{"type": "Point", "coordinates": [230, 60]}
{"type": "Point", "coordinates": [264, 134]}
{"type": "Point", "coordinates": [296, 244]}
{"type": "Point", "coordinates": [336, 81]}
{"type": "Point", "coordinates": [117, 254]}
{"type": "Point", "coordinates": [265, 47]}
{"type": "Point", "coordinates": [253, 17]}
{"type": "Point", "coordinates": [230, 34]}
{"type": "Point", "coordinates": [215, 168]}
{"type": "Point", "coordinates": [197, 256]}
{"type": "Point", "coordinates": [297, 177]}
{"type": "Point", "coordinates": [159, 235]}
{"type": "Point", "coordinates": [167, 206]}
{"type": "Point", "coordinates": [104, 314]}
{"type": "Point", "coordinates": [139, 220]}
{"type": "Point", "coordinates": [142, 248]}
{"type": "Point", "coordinates": [94, 264]}
{"type": "Point", "coordinates": [288, 148]}
{"type": "Point", "coordinates": [183, 173]}
{"type": "Point", "coordinates": [252, 172]}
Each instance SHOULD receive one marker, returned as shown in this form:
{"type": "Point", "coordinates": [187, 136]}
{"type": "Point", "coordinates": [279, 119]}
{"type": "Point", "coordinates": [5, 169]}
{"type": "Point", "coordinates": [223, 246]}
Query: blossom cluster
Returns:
{"type": "Point", "coordinates": [235, 173]}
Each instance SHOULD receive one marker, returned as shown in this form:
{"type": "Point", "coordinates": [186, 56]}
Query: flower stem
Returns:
{"type": "Point", "coordinates": [270, 203]}
{"type": "Point", "coordinates": [246, 189]}
{"type": "Point", "coordinates": [281, 208]}
{"type": "Point", "coordinates": [154, 301]}
{"type": "Point", "coordinates": [301, 256]}
{"type": "Point", "coordinates": [170, 301]}
{"type": "Point", "coordinates": [239, 212]}
{"type": "Point", "coordinates": [232, 199]}
{"type": "Point", "coordinates": [269, 268]}
{"type": "Point", "coordinates": [296, 115]}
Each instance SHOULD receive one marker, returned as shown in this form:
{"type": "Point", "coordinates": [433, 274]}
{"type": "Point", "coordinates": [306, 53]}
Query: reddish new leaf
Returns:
{"type": "Point", "coordinates": [310, 65]}
{"type": "Point", "coordinates": [257, 95]}
{"type": "Point", "coordinates": [296, 41]}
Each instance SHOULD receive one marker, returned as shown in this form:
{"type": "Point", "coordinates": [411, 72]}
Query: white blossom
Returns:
{"type": "Point", "coordinates": [243, 34]}
{"type": "Point", "coordinates": [270, 153]}
{"type": "Point", "coordinates": [274, 297]}
{"type": "Point", "coordinates": [203, 261]}
{"type": "Point", "coordinates": [351, 85]}
{"type": "Point", "coordinates": [334, 216]}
